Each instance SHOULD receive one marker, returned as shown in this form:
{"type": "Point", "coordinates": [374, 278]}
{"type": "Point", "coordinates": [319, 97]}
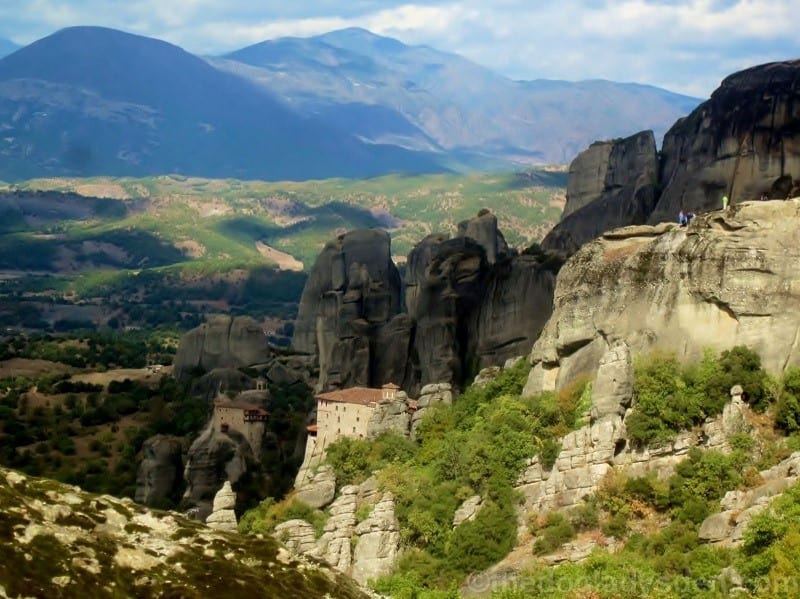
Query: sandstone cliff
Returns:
{"type": "Point", "coordinates": [743, 142]}
{"type": "Point", "coordinates": [728, 278]}
{"type": "Point", "coordinates": [222, 342]}
{"type": "Point", "coordinates": [611, 184]}
{"type": "Point", "coordinates": [352, 293]}
{"type": "Point", "coordinates": [469, 300]}
{"type": "Point", "coordinates": [160, 471]}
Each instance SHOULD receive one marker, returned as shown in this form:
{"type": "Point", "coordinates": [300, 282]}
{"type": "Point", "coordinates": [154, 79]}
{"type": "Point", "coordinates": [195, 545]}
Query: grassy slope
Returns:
{"type": "Point", "coordinates": [225, 218]}
{"type": "Point", "coordinates": [58, 541]}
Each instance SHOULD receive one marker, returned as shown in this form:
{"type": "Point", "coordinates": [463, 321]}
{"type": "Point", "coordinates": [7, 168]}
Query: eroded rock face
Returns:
{"type": "Point", "coordinates": [378, 543]}
{"type": "Point", "coordinates": [739, 507]}
{"type": "Point", "coordinates": [516, 303]}
{"type": "Point", "coordinates": [214, 459]}
{"type": "Point", "coordinates": [222, 342]}
{"type": "Point", "coordinates": [601, 447]}
{"type": "Point", "coordinates": [743, 142]}
{"type": "Point", "coordinates": [352, 291]}
{"type": "Point", "coordinates": [611, 184]}
{"type": "Point", "coordinates": [390, 416]}
{"type": "Point", "coordinates": [366, 550]}
{"type": "Point", "coordinates": [223, 516]}
{"type": "Point", "coordinates": [160, 471]}
{"type": "Point", "coordinates": [727, 279]}
{"type": "Point", "coordinates": [319, 490]}
{"type": "Point", "coordinates": [470, 301]}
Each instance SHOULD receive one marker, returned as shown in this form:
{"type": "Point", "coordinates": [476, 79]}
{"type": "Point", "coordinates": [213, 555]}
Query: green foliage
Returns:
{"type": "Point", "coordinates": [353, 460]}
{"type": "Point", "coordinates": [741, 366]}
{"type": "Point", "coordinates": [770, 542]}
{"type": "Point", "coordinates": [268, 514]}
{"type": "Point", "coordinates": [478, 445]}
{"type": "Point", "coordinates": [664, 402]}
{"type": "Point", "coordinates": [669, 398]}
{"type": "Point", "coordinates": [556, 530]}
{"type": "Point", "coordinates": [787, 412]}
{"type": "Point", "coordinates": [706, 475]}
{"type": "Point", "coordinates": [476, 544]}
{"type": "Point", "coordinates": [585, 516]}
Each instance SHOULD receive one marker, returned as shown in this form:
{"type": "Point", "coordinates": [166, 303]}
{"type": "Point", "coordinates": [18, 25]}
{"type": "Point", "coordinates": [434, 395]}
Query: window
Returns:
{"type": "Point", "coordinates": [354, 429]}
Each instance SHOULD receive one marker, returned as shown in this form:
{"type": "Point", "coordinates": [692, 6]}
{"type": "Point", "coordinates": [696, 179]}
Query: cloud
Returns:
{"type": "Point", "coordinates": [686, 46]}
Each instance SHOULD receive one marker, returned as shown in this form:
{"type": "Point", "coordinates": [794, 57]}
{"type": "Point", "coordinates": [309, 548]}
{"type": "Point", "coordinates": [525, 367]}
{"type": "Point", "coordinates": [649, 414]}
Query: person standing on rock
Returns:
{"type": "Point", "coordinates": [682, 220]}
{"type": "Point", "coordinates": [724, 202]}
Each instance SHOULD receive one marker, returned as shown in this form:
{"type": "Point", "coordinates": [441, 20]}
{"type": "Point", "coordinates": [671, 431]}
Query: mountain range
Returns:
{"type": "Point", "coordinates": [94, 101]}
{"type": "Point", "coordinates": [7, 47]}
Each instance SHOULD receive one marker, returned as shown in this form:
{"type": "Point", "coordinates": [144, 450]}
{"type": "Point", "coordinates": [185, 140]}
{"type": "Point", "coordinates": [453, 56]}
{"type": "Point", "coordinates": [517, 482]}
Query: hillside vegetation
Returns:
{"type": "Point", "coordinates": [161, 251]}
{"type": "Point", "coordinates": [59, 541]}
{"type": "Point", "coordinates": [645, 529]}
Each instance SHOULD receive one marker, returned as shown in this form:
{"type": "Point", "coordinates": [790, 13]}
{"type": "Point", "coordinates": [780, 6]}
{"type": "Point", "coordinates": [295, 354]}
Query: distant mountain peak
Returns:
{"type": "Point", "coordinates": [7, 47]}
{"type": "Point", "coordinates": [357, 39]}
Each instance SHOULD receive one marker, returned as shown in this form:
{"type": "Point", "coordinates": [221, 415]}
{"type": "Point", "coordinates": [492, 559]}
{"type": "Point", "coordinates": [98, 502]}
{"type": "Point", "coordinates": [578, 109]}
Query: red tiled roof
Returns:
{"type": "Point", "coordinates": [356, 395]}
{"type": "Point", "coordinates": [391, 386]}
{"type": "Point", "coordinates": [311, 428]}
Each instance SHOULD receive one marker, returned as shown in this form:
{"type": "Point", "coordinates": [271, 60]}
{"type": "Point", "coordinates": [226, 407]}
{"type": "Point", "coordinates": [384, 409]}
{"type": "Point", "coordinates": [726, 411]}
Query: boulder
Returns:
{"type": "Point", "coordinates": [160, 471]}
{"type": "Point", "coordinates": [320, 490]}
{"type": "Point", "coordinates": [223, 516]}
{"type": "Point", "coordinates": [715, 528]}
{"type": "Point", "coordinates": [612, 389]}
{"type": "Point", "coordinates": [467, 511]}
{"type": "Point", "coordinates": [335, 544]}
{"type": "Point", "coordinates": [297, 536]}
{"type": "Point", "coordinates": [390, 416]}
{"type": "Point", "coordinates": [483, 229]}
{"type": "Point", "coordinates": [222, 342]}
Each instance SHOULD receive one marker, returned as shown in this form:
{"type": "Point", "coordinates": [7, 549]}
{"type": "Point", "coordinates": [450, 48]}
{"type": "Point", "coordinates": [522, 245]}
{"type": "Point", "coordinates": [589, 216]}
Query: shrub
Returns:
{"type": "Point", "coordinates": [741, 366]}
{"type": "Point", "coordinates": [616, 526]}
{"type": "Point", "coordinates": [585, 516]}
{"type": "Point", "coordinates": [350, 460]}
{"type": "Point", "coordinates": [663, 402]}
{"type": "Point", "coordinates": [557, 530]}
{"type": "Point", "coordinates": [669, 398]}
{"type": "Point", "coordinates": [268, 514]}
{"type": "Point", "coordinates": [474, 546]}
{"type": "Point", "coordinates": [787, 411]}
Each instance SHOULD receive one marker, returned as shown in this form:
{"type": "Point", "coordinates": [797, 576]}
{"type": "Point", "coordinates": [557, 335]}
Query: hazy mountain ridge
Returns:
{"type": "Point", "coordinates": [93, 101]}
{"type": "Point", "coordinates": [7, 47]}
{"type": "Point", "coordinates": [455, 103]}
{"type": "Point", "coordinates": [174, 102]}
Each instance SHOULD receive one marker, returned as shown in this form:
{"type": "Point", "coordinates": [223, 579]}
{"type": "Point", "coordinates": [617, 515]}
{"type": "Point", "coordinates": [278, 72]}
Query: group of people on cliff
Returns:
{"type": "Point", "coordinates": [684, 218]}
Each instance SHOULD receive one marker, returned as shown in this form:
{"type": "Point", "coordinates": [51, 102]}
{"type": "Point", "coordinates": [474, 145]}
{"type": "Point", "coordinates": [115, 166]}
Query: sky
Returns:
{"type": "Point", "coordinates": [686, 47]}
